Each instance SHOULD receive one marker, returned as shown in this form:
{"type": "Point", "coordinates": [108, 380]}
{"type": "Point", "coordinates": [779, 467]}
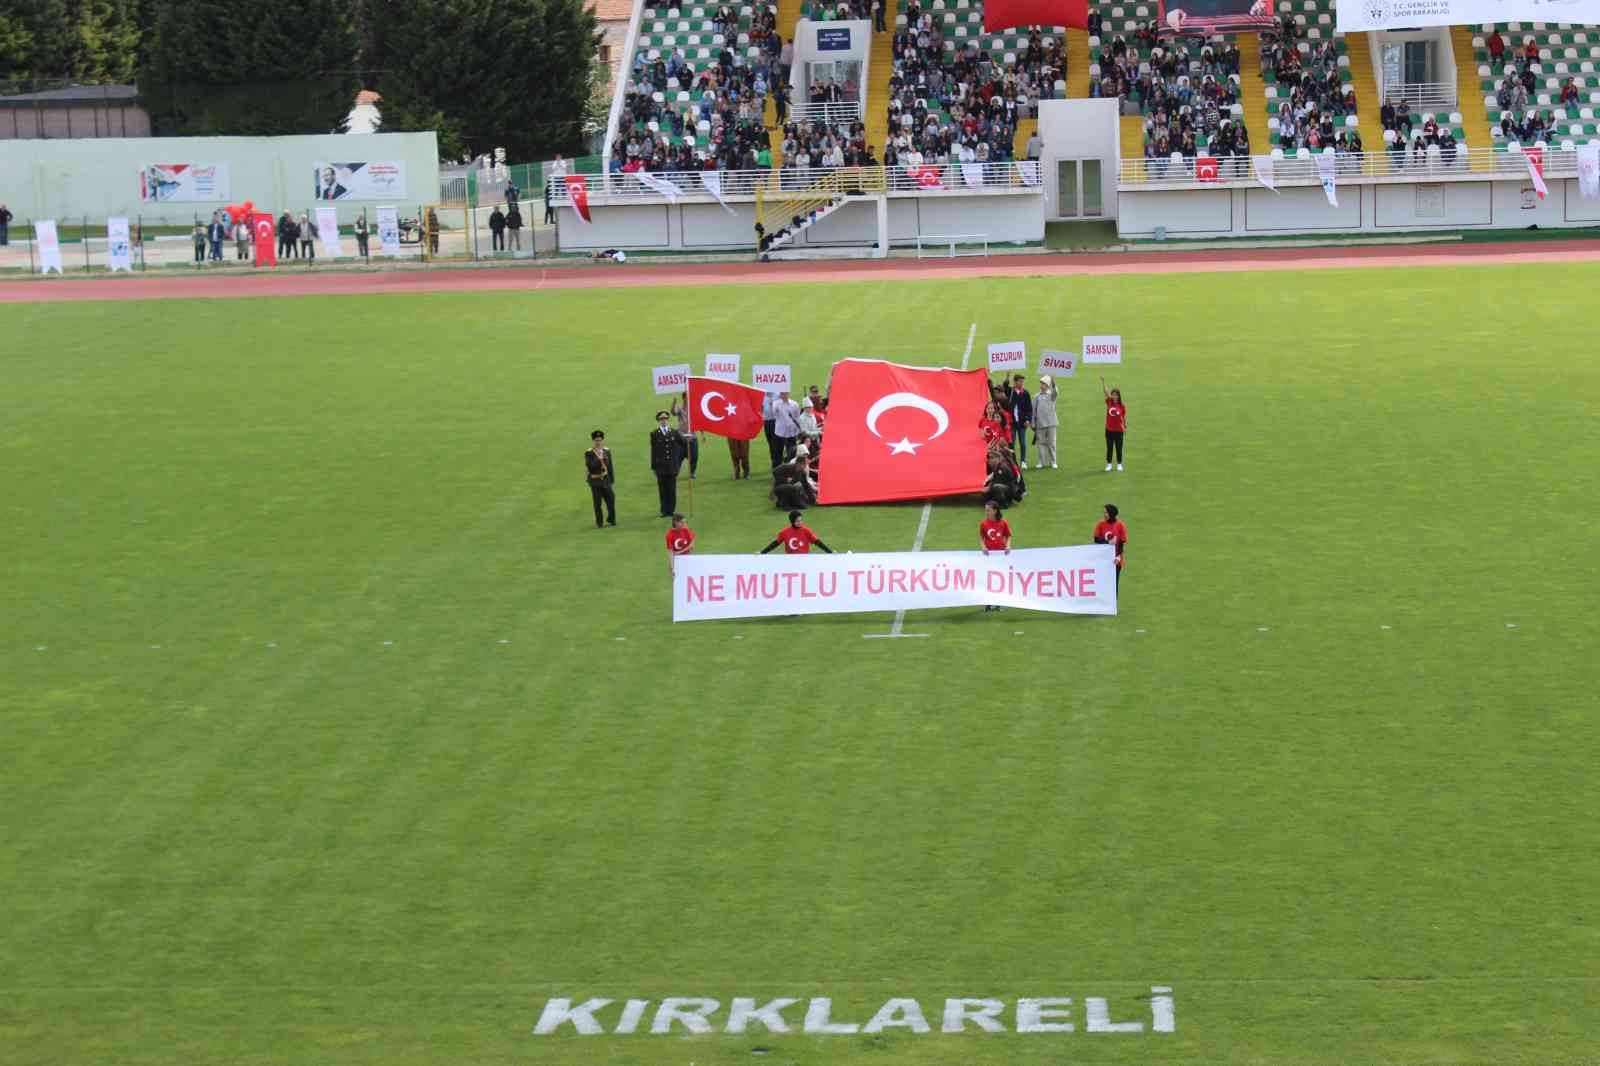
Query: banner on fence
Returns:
{"type": "Point", "coordinates": [1008, 355]}
{"type": "Point", "coordinates": [722, 367]}
{"type": "Point", "coordinates": [1392, 14]}
{"type": "Point", "coordinates": [359, 181]}
{"type": "Point", "coordinates": [770, 377]}
{"type": "Point", "coordinates": [119, 246]}
{"type": "Point", "coordinates": [1106, 349]}
{"type": "Point", "coordinates": [173, 183]}
{"type": "Point", "coordinates": [49, 245]}
{"type": "Point", "coordinates": [388, 231]}
{"type": "Point", "coordinates": [670, 380]}
{"type": "Point", "coordinates": [266, 233]}
{"type": "Point", "coordinates": [328, 231]}
{"type": "Point", "coordinates": [1065, 580]}
{"type": "Point", "coordinates": [1061, 364]}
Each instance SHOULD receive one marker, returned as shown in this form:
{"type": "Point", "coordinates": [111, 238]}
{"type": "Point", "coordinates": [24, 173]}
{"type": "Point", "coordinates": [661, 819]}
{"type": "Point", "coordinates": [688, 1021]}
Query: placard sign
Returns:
{"type": "Point", "coordinates": [770, 377]}
{"type": "Point", "coordinates": [49, 245]}
{"type": "Point", "coordinates": [722, 367]}
{"type": "Point", "coordinates": [1061, 364]}
{"type": "Point", "coordinates": [671, 379]}
{"type": "Point", "coordinates": [1102, 349]}
{"type": "Point", "coordinates": [389, 230]}
{"type": "Point", "coordinates": [119, 248]}
{"type": "Point", "coordinates": [1009, 355]}
{"type": "Point", "coordinates": [833, 39]}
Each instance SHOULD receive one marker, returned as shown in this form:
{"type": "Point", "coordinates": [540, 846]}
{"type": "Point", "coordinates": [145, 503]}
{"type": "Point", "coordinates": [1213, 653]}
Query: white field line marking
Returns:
{"type": "Point", "coordinates": [895, 630]}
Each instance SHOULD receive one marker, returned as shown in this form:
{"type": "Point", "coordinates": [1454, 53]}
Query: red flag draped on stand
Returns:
{"type": "Point", "coordinates": [1534, 157]}
{"type": "Point", "coordinates": [1205, 168]}
{"type": "Point", "coordinates": [266, 235]}
{"type": "Point", "coordinates": [902, 432]}
{"type": "Point", "coordinates": [578, 193]}
{"type": "Point", "coordinates": [927, 175]}
{"type": "Point", "coordinates": [1005, 14]}
{"type": "Point", "coordinates": [724, 408]}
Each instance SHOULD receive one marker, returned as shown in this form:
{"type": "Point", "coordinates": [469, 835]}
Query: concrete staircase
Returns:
{"type": "Point", "coordinates": [1253, 93]}
{"type": "Point", "coordinates": [1365, 84]}
{"type": "Point", "coordinates": [1019, 143]}
{"type": "Point", "coordinates": [788, 19]}
{"type": "Point", "coordinates": [1077, 64]}
{"type": "Point", "coordinates": [1469, 97]}
{"type": "Point", "coordinates": [1131, 136]}
{"type": "Point", "coordinates": [880, 67]}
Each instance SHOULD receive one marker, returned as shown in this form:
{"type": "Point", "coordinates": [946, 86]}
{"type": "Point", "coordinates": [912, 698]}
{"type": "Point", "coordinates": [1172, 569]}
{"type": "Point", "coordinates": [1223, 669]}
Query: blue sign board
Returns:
{"type": "Point", "coordinates": [834, 40]}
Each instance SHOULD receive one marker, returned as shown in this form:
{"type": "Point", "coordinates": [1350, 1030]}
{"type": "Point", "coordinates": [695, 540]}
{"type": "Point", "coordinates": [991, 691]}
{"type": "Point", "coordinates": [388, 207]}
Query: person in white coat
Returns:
{"type": "Point", "coordinates": [1045, 421]}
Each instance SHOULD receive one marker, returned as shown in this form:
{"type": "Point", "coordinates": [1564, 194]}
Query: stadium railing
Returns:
{"type": "Point", "coordinates": [831, 114]}
{"type": "Point", "coordinates": [933, 179]}
{"type": "Point", "coordinates": [1423, 96]}
{"type": "Point", "coordinates": [1135, 174]}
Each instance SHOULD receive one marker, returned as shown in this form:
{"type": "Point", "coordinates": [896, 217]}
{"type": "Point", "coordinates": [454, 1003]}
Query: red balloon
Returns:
{"type": "Point", "coordinates": [249, 205]}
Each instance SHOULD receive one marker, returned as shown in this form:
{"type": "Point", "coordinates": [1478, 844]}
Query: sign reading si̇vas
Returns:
{"type": "Point", "coordinates": [359, 181]}
{"type": "Point", "coordinates": [174, 183]}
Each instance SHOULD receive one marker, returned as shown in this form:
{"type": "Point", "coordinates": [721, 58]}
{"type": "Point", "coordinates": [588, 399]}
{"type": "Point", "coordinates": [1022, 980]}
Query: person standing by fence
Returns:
{"type": "Point", "coordinates": [497, 229]}
{"type": "Point", "coordinates": [286, 234]}
{"type": "Point", "coordinates": [361, 234]}
{"type": "Point", "coordinates": [241, 241]}
{"type": "Point", "coordinates": [514, 226]}
{"type": "Point", "coordinates": [217, 232]}
{"type": "Point", "coordinates": [199, 237]}
{"type": "Point", "coordinates": [5, 225]}
{"type": "Point", "coordinates": [308, 236]}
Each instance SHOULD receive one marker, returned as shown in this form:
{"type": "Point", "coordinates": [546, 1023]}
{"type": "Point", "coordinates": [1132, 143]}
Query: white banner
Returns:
{"type": "Point", "coordinates": [972, 174]}
{"type": "Point", "coordinates": [173, 183]}
{"type": "Point", "coordinates": [119, 246]}
{"type": "Point", "coordinates": [1589, 170]}
{"type": "Point", "coordinates": [722, 367]}
{"type": "Point", "coordinates": [661, 185]}
{"type": "Point", "coordinates": [770, 377]}
{"type": "Point", "coordinates": [670, 380]}
{"type": "Point", "coordinates": [328, 231]}
{"type": "Point", "coordinates": [1266, 171]}
{"type": "Point", "coordinates": [1068, 580]}
{"type": "Point", "coordinates": [1029, 169]}
{"type": "Point", "coordinates": [49, 245]}
{"type": "Point", "coordinates": [1325, 171]}
{"type": "Point", "coordinates": [1534, 157]}
{"type": "Point", "coordinates": [1061, 364]}
{"type": "Point", "coordinates": [388, 231]}
{"type": "Point", "coordinates": [1102, 349]}
{"type": "Point", "coordinates": [713, 183]}
{"type": "Point", "coordinates": [1008, 355]}
{"type": "Point", "coordinates": [1392, 14]}
{"type": "Point", "coordinates": [358, 181]}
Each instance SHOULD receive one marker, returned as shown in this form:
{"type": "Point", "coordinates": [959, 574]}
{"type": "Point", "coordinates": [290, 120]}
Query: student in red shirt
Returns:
{"type": "Point", "coordinates": [1116, 422]}
{"type": "Point", "coordinates": [680, 541]}
{"type": "Point", "coordinates": [994, 533]}
{"type": "Point", "coordinates": [1110, 530]}
{"type": "Point", "coordinates": [796, 538]}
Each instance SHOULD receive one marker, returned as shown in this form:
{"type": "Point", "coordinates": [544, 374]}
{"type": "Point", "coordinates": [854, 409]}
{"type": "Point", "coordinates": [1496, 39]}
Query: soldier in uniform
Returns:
{"type": "Point", "coordinates": [602, 475]}
{"type": "Point", "coordinates": [667, 449]}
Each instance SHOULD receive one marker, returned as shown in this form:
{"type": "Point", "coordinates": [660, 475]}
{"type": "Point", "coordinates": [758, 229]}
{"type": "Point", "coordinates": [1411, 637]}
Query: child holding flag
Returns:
{"type": "Point", "coordinates": [680, 541]}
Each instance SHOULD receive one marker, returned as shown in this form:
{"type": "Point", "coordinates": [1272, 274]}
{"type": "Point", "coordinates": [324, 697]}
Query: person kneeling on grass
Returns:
{"type": "Point", "coordinates": [796, 538]}
{"type": "Point", "coordinates": [994, 533]}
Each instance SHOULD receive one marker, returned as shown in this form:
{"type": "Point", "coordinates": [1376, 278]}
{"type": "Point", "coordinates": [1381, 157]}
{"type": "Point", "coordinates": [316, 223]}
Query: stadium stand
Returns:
{"type": "Point", "coordinates": [696, 96]}
{"type": "Point", "coordinates": [1538, 81]}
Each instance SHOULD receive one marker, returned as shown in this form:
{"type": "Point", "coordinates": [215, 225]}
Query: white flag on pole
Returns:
{"type": "Point", "coordinates": [1589, 170]}
{"type": "Point", "coordinates": [661, 185]}
{"type": "Point", "coordinates": [1534, 157]}
{"type": "Point", "coordinates": [328, 231]}
{"type": "Point", "coordinates": [712, 180]}
{"type": "Point", "coordinates": [1325, 162]}
{"type": "Point", "coordinates": [1266, 173]}
{"type": "Point", "coordinates": [44, 235]}
{"type": "Point", "coordinates": [119, 248]}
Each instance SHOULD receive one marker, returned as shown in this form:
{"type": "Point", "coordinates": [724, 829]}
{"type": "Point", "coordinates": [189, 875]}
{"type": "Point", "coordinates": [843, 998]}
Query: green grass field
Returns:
{"type": "Point", "coordinates": [331, 731]}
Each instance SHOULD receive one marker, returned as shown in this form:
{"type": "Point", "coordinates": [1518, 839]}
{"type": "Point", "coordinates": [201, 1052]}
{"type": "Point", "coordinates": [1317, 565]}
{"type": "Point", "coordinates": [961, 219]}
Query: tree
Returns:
{"type": "Point", "coordinates": [84, 41]}
{"type": "Point", "coordinates": [239, 67]}
{"type": "Point", "coordinates": [484, 73]}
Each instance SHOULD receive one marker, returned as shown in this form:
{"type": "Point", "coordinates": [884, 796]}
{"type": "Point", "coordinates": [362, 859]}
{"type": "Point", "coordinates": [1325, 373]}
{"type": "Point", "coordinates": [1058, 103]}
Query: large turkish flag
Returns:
{"type": "Point", "coordinates": [725, 408]}
{"type": "Point", "coordinates": [266, 232]}
{"type": "Point", "coordinates": [1006, 14]}
{"type": "Point", "coordinates": [902, 433]}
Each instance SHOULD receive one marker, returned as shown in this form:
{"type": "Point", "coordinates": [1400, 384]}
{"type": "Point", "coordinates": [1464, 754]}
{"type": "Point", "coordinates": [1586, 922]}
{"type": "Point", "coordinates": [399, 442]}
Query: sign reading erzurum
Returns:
{"type": "Point", "coordinates": [670, 379]}
{"type": "Point", "coordinates": [770, 377]}
{"type": "Point", "coordinates": [1105, 349]}
{"type": "Point", "coordinates": [722, 367]}
{"type": "Point", "coordinates": [1008, 355]}
{"type": "Point", "coordinates": [1061, 364]}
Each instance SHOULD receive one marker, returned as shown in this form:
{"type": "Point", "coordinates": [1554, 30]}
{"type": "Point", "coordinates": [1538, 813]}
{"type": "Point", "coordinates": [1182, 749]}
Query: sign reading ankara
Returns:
{"type": "Point", "coordinates": [834, 40]}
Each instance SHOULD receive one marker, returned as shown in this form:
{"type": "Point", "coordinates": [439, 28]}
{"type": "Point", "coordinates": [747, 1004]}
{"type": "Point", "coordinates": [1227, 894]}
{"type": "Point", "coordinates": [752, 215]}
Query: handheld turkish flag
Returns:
{"type": "Point", "coordinates": [1005, 14]}
{"type": "Point", "coordinates": [1205, 168]}
{"type": "Point", "coordinates": [261, 226]}
{"type": "Point", "coordinates": [1535, 160]}
{"type": "Point", "coordinates": [724, 408]}
{"type": "Point", "coordinates": [902, 432]}
{"type": "Point", "coordinates": [578, 193]}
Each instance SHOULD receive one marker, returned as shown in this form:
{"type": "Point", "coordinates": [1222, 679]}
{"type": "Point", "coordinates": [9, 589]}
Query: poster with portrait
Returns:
{"type": "Point", "coordinates": [183, 183]}
{"type": "Point", "coordinates": [358, 181]}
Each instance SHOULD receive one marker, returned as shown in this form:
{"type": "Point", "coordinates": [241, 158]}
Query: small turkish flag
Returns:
{"type": "Point", "coordinates": [578, 193]}
{"type": "Point", "coordinates": [902, 432]}
{"type": "Point", "coordinates": [266, 234]}
{"type": "Point", "coordinates": [1005, 14]}
{"type": "Point", "coordinates": [1205, 168]}
{"type": "Point", "coordinates": [724, 408]}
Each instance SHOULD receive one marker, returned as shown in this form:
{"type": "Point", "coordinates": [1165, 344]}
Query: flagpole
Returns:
{"type": "Point", "coordinates": [688, 420]}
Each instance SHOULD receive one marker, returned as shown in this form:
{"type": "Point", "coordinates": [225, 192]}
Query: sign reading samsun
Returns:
{"type": "Point", "coordinates": [692, 1014]}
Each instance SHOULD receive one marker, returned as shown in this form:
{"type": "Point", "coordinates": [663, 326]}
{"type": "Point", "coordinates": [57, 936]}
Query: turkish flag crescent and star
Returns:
{"type": "Point", "coordinates": [266, 234]}
{"type": "Point", "coordinates": [902, 433]}
{"type": "Point", "coordinates": [724, 408]}
{"type": "Point", "coordinates": [578, 193]}
{"type": "Point", "coordinates": [1006, 14]}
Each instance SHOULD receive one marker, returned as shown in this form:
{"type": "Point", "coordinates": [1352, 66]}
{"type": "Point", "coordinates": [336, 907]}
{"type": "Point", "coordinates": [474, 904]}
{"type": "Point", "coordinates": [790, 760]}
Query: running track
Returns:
{"type": "Point", "coordinates": [176, 285]}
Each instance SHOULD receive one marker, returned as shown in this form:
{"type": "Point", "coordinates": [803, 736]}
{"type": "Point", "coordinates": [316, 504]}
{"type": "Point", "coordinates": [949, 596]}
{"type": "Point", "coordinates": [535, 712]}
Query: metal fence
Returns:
{"type": "Point", "coordinates": [1423, 96]}
{"type": "Point", "coordinates": [1302, 170]}
{"type": "Point", "coordinates": [931, 179]}
{"type": "Point", "coordinates": [831, 114]}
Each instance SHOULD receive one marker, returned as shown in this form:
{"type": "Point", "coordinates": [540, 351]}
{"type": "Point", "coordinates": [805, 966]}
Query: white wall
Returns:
{"type": "Point", "coordinates": [1079, 129]}
{"type": "Point", "coordinates": [97, 178]}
